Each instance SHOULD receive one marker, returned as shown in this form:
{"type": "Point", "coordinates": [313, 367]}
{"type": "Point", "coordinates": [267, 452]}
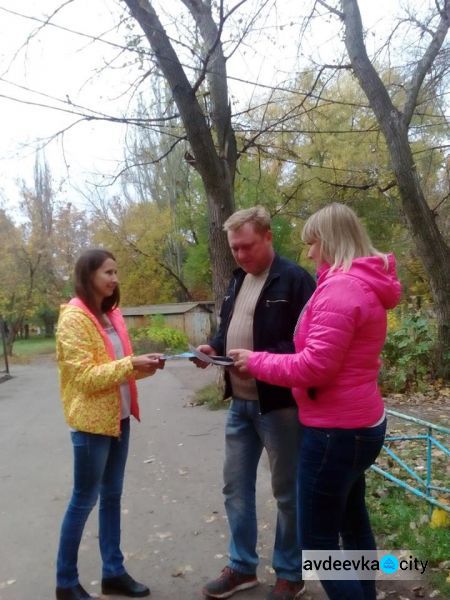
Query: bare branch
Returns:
{"type": "Point", "coordinates": [79, 110]}
{"type": "Point", "coordinates": [432, 149]}
{"type": "Point", "coordinates": [62, 28]}
{"type": "Point", "coordinates": [145, 163]}
{"type": "Point", "coordinates": [425, 63]}
{"type": "Point", "coordinates": [36, 31]}
{"type": "Point", "coordinates": [435, 209]}
{"type": "Point", "coordinates": [362, 186]}
{"type": "Point", "coordinates": [332, 9]}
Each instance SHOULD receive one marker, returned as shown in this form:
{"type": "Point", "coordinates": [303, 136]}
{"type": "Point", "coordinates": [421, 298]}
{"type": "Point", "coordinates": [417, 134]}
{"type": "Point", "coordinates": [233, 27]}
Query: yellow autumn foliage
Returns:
{"type": "Point", "coordinates": [393, 321]}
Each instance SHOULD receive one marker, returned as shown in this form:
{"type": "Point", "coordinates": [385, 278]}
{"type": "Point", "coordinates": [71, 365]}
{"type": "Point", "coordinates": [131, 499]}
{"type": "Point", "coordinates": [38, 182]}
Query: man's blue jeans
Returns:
{"type": "Point", "coordinates": [99, 465]}
{"type": "Point", "coordinates": [247, 432]}
{"type": "Point", "coordinates": [332, 497]}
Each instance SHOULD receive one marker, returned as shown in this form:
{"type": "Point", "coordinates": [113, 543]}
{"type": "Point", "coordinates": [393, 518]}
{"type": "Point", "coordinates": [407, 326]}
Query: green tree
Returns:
{"type": "Point", "coordinates": [136, 233]}
{"type": "Point", "coordinates": [17, 279]}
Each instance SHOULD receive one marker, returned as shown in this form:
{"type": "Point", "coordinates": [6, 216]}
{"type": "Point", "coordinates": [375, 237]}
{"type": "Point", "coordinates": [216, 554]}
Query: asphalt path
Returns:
{"type": "Point", "coordinates": [174, 529]}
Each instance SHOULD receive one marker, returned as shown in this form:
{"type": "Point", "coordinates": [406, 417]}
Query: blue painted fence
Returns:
{"type": "Point", "coordinates": [425, 488]}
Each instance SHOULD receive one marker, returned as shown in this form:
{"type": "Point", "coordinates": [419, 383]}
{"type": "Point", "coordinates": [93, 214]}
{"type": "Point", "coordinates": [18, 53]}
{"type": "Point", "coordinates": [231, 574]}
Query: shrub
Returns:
{"type": "Point", "coordinates": [156, 337]}
{"type": "Point", "coordinates": [410, 342]}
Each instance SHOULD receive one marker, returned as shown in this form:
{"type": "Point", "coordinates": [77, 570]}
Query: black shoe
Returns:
{"type": "Point", "coordinates": [76, 592]}
{"type": "Point", "coordinates": [124, 585]}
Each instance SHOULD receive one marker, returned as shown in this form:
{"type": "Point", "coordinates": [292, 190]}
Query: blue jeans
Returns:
{"type": "Point", "coordinates": [332, 497]}
{"type": "Point", "coordinates": [99, 465]}
{"type": "Point", "coordinates": [247, 432]}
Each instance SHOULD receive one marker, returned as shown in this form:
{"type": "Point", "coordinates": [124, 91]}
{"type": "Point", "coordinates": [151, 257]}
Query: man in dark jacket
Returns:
{"type": "Point", "coordinates": [260, 311]}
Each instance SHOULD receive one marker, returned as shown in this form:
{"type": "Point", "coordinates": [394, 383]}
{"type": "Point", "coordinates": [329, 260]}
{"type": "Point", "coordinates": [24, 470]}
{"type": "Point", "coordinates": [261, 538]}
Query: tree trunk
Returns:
{"type": "Point", "coordinates": [215, 166]}
{"type": "Point", "coordinates": [13, 330]}
{"type": "Point", "coordinates": [221, 258]}
{"type": "Point", "coordinates": [431, 246]}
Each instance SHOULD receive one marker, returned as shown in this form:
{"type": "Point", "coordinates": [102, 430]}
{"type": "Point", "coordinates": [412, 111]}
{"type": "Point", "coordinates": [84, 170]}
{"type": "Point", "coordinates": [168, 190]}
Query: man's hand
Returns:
{"type": "Point", "coordinates": [240, 357]}
{"type": "Point", "coordinates": [206, 349]}
{"type": "Point", "coordinates": [148, 363]}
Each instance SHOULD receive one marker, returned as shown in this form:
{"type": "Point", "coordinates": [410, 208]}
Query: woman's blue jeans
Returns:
{"type": "Point", "coordinates": [247, 432]}
{"type": "Point", "coordinates": [332, 497]}
{"type": "Point", "coordinates": [99, 465]}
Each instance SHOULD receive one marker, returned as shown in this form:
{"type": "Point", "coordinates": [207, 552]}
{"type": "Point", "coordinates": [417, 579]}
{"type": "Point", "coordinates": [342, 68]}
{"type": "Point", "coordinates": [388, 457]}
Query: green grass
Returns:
{"type": "Point", "coordinates": [210, 396]}
{"type": "Point", "coordinates": [402, 521]}
{"type": "Point", "coordinates": [27, 349]}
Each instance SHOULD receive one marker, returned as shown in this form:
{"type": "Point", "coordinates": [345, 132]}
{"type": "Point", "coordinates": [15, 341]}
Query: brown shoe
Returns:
{"type": "Point", "coordinates": [229, 582]}
{"type": "Point", "coordinates": [286, 590]}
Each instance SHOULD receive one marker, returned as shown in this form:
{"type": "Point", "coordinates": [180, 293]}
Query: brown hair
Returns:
{"type": "Point", "coordinates": [257, 216]}
{"type": "Point", "coordinates": [88, 262]}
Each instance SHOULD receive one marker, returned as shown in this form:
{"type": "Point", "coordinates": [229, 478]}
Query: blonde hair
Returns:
{"type": "Point", "coordinates": [340, 234]}
{"type": "Point", "coordinates": [257, 216]}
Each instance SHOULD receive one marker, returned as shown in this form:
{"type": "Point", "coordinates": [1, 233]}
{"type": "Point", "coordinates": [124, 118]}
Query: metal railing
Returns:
{"type": "Point", "coordinates": [425, 487]}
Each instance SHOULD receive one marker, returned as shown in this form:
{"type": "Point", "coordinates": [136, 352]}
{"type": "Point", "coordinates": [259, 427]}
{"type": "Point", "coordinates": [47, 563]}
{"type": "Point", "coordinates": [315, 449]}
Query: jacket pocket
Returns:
{"type": "Point", "coordinates": [276, 302]}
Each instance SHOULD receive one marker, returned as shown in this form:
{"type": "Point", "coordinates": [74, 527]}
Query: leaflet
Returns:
{"type": "Point", "coordinates": [221, 361]}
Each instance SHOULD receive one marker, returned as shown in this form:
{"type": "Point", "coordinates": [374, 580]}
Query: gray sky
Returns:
{"type": "Point", "coordinates": [65, 66]}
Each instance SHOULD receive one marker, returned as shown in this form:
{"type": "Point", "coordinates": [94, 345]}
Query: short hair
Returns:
{"type": "Point", "coordinates": [257, 216]}
{"type": "Point", "coordinates": [87, 263]}
{"type": "Point", "coordinates": [340, 234]}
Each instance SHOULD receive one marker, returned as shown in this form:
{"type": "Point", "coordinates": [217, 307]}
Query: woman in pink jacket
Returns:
{"type": "Point", "coordinates": [333, 376]}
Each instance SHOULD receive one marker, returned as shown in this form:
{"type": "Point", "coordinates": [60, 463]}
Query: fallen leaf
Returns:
{"type": "Point", "coordinates": [439, 518]}
{"type": "Point", "coordinates": [210, 519]}
{"type": "Point", "coordinates": [163, 535]}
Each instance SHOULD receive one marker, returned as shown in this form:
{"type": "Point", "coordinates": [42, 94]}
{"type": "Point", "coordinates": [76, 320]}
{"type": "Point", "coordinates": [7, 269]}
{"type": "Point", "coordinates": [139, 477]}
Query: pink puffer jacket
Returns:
{"type": "Point", "coordinates": [338, 341]}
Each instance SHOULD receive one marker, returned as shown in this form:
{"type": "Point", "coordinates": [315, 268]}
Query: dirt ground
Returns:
{"type": "Point", "coordinates": [174, 525]}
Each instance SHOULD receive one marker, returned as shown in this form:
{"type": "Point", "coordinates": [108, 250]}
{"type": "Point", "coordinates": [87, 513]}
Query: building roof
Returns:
{"type": "Point", "coordinates": [165, 309]}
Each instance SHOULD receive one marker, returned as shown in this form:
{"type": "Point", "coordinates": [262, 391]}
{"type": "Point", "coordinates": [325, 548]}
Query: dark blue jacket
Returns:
{"type": "Point", "coordinates": [287, 289]}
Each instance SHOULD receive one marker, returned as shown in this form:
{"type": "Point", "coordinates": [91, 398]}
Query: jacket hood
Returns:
{"type": "Point", "coordinates": [372, 271]}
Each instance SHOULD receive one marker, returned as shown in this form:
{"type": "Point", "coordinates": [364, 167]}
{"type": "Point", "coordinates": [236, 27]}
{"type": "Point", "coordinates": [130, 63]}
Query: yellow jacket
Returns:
{"type": "Point", "coordinates": [88, 373]}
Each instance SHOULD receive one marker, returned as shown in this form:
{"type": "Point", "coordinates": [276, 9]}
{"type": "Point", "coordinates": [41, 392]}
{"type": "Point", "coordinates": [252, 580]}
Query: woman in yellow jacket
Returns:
{"type": "Point", "coordinates": [97, 379]}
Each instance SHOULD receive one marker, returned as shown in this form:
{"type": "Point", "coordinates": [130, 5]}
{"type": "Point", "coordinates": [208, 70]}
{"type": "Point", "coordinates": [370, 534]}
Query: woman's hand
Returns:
{"type": "Point", "coordinates": [240, 357]}
{"type": "Point", "coordinates": [148, 363]}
